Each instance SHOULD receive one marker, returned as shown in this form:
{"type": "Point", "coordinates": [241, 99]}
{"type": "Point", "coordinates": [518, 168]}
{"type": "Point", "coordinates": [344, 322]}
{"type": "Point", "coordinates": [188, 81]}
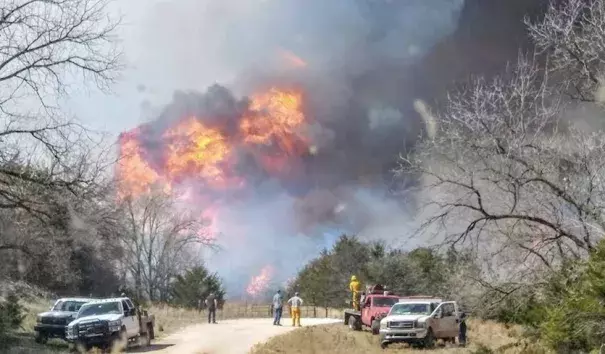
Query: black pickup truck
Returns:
{"type": "Point", "coordinates": [52, 324]}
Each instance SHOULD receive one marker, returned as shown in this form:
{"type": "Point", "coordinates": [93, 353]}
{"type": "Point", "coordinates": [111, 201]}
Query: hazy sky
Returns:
{"type": "Point", "coordinates": [190, 44]}
{"type": "Point", "coordinates": [163, 53]}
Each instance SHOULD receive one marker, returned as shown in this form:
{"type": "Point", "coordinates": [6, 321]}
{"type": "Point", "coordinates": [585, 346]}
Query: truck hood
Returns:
{"type": "Point", "coordinates": [94, 318]}
{"type": "Point", "coordinates": [405, 318]}
{"type": "Point", "coordinates": [58, 314]}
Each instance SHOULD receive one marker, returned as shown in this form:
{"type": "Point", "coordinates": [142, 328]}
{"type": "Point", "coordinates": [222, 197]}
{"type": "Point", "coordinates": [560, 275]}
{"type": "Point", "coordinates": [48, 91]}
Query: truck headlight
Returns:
{"type": "Point", "coordinates": [383, 324]}
{"type": "Point", "coordinates": [114, 326]}
{"type": "Point", "coordinates": [418, 324]}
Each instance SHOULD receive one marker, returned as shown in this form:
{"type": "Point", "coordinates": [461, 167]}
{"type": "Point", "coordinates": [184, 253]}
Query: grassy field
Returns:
{"type": "Point", "coordinates": [484, 337]}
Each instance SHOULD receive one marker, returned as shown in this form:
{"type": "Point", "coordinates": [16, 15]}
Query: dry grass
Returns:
{"type": "Point", "coordinates": [483, 337]}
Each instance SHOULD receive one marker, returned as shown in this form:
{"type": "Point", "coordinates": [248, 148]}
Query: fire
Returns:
{"type": "Point", "coordinates": [277, 118]}
{"type": "Point", "coordinates": [195, 150]}
{"type": "Point", "coordinates": [201, 160]}
{"type": "Point", "coordinates": [260, 283]}
{"type": "Point", "coordinates": [292, 59]}
{"type": "Point", "coordinates": [136, 177]}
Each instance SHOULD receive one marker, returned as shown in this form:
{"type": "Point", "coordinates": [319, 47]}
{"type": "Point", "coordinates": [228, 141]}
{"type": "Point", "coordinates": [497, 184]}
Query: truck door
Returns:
{"type": "Point", "coordinates": [435, 320]}
{"type": "Point", "coordinates": [365, 311]}
{"type": "Point", "coordinates": [449, 321]}
{"type": "Point", "coordinates": [130, 320]}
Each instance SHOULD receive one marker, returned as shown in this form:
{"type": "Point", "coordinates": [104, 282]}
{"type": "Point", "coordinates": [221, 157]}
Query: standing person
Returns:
{"type": "Point", "coordinates": [355, 286]}
{"type": "Point", "coordinates": [211, 304]}
{"type": "Point", "coordinates": [462, 330]}
{"type": "Point", "coordinates": [295, 303]}
{"type": "Point", "coordinates": [277, 306]}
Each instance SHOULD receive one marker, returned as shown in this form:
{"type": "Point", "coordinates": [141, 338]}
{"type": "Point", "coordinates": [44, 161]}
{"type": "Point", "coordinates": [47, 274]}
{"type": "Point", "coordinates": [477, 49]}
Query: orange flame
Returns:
{"type": "Point", "coordinates": [277, 118]}
{"type": "Point", "coordinates": [194, 149]}
{"type": "Point", "coordinates": [135, 175]}
{"type": "Point", "coordinates": [260, 283]}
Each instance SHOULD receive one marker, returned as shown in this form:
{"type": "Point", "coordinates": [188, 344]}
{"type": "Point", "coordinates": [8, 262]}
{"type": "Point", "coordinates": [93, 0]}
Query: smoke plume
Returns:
{"type": "Point", "coordinates": [359, 67]}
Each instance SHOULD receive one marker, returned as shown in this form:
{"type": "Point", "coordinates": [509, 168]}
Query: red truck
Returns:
{"type": "Point", "coordinates": [374, 307]}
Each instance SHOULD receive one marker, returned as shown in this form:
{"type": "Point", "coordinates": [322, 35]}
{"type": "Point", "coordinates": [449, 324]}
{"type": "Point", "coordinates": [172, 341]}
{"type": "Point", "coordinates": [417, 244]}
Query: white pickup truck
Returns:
{"type": "Point", "coordinates": [420, 322]}
{"type": "Point", "coordinates": [110, 323]}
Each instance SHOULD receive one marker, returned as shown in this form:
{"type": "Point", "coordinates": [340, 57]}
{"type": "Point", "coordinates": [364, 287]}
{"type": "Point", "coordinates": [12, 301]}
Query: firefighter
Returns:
{"type": "Point", "coordinates": [295, 303]}
{"type": "Point", "coordinates": [355, 286]}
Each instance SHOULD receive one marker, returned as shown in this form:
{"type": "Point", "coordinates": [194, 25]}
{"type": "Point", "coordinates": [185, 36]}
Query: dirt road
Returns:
{"type": "Point", "coordinates": [226, 337]}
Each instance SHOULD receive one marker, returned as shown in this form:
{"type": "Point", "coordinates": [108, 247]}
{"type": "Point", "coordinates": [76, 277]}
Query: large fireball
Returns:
{"type": "Point", "coordinates": [207, 157]}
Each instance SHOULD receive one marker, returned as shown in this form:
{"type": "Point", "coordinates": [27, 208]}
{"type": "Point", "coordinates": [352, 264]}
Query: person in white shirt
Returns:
{"type": "Point", "coordinates": [295, 303]}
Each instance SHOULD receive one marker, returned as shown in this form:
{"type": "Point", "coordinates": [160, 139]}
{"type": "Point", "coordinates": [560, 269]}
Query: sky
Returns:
{"type": "Point", "coordinates": [157, 65]}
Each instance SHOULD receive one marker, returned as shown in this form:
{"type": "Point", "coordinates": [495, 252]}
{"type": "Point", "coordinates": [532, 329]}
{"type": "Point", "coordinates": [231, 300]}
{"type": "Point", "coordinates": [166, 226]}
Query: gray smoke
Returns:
{"type": "Point", "coordinates": [368, 61]}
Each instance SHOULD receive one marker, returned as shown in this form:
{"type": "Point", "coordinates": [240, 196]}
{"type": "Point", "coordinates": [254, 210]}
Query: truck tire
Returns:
{"type": "Point", "coordinates": [119, 342]}
{"type": "Point", "coordinates": [354, 323]}
{"type": "Point", "coordinates": [375, 327]}
{"type": "Point", "coordinates": [429, 340]}
{"type": "Point", "coordinates": [41, 338]}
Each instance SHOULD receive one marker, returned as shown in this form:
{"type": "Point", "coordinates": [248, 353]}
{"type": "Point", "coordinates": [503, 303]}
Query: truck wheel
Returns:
{"type": "Point", "coordinates": [41, 338]}
{"type": "Point", "coordinates": [354, 323]}
{"type": "Point", "coordinates": [429, 340]}
{"type": "Point", "coordinates": [375, 327]}
{"type": "Point", "coordinates": [119, 342]}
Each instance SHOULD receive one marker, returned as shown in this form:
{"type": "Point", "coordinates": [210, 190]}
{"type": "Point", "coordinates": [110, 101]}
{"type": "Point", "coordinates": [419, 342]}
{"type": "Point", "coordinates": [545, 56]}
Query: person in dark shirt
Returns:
{"type": "Point", "coordinates": [211, 304]}
{"type": "Point", "coordinates": [462, 330]}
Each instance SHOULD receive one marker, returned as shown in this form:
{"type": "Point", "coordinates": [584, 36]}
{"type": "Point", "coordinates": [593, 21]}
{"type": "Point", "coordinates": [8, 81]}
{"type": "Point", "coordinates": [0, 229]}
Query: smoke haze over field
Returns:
{"type": "Point", "coordinates": [358, 67]}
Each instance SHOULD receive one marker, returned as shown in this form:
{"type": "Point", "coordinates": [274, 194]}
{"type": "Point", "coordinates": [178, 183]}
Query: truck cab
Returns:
{"type": "Point", "coordinates": [421, 322]}
{"type": "Point", "coordinates": [375, 308]}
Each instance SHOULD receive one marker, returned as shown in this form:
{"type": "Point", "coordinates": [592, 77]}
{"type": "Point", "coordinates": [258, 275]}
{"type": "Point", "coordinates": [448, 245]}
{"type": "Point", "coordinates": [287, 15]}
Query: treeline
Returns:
{"type": "Point", "coordinates": [325, 280]}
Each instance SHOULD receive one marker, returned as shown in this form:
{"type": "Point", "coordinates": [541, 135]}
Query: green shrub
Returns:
{"type": "Point", "coordinates": [12, 315]}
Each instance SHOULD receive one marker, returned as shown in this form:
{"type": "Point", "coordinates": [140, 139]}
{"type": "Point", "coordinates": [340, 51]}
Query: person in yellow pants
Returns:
{"type": "Point", "coordinates": [295, 303]}
{"type": "Point", "coordinates": [355, 286]}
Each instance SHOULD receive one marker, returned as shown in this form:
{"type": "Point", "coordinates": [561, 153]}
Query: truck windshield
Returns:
{"type": "Point", "coordinates": [68, 305]}
{"type": "Point", "coordinates": [411, 309]}
{"type": "Point", "coordinates": [384, 301]}
{"type": "Point", "coordinates": [100, 309]}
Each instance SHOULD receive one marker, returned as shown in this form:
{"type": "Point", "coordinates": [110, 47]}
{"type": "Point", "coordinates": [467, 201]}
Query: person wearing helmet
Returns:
{"type": "Point", "coordinates": [355, 286]}
{"type": "Point", "coordinates": [295, 303]}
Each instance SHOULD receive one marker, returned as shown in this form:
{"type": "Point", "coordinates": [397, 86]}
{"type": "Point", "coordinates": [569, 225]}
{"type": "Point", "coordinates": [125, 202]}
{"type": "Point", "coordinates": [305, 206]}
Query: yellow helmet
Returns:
{"type": "Point", "coordinates": [353, 278]}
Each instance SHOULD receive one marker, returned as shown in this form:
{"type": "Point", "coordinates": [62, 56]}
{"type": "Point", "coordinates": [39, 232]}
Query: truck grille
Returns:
{"type": "Point", "coordinates": [54, 320]}
{"type": "Point", "coordinates": [84, 329]}
{"type": "Point", "coordinates": [401, 324]}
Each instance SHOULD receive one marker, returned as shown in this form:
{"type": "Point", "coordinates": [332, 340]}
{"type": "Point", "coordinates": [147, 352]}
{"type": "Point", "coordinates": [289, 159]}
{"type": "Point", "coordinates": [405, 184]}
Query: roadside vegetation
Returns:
{"type": "Point", "coordinates": [484, 337]}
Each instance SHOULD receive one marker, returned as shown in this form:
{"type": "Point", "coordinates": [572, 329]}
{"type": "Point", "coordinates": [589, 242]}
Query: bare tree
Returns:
{"type": "Point", "coordinates": [45, 45]}
{"type": "Point", "coordinates": [53, 197]}
{"type": "Point", "coordinates": [572, 33]}
{"type": "Point", "coordinates": [158, 237]}
{"type": "Point", "coordinates": [503, 175]}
